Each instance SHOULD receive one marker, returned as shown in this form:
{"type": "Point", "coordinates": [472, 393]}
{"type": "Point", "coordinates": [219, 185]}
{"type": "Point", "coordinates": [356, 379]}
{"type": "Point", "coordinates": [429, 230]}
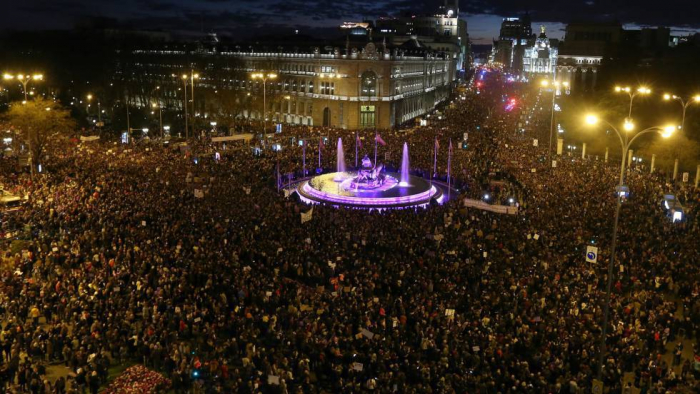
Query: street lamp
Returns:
{"type": "Point", "coordinates": [625, 143]}
{"type": "Point", "coordinates": [264, 78]}
{"type": "Point", "coordinates": [99, 108]}
{"type": "Point", "coordinates": [544, 84]}
{"type": "Point", "coordinates": [632, 94]}
{"type": "Point", "coordinates": [684, 103]}
{"type": "Point", "coordinates": [24, 79]}
{"type": "Point", "coordinates": [160, 117]}
{"type": "Point", "coordinates": [184, 103]}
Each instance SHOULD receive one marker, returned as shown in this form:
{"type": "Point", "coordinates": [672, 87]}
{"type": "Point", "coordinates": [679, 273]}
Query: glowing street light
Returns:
{"type": "Point", "coordinates": [264, 77]}
{"type": "Point", "coordinates": [545, 83]}
{"type": "Point", "coordinates": [184, 78]}
{"type": "Point", "coordinates": [24, 79]}
{"type": "Point", "coordinates": [684, 103]}
{"type": "Point", "coordinates": [625, 143]}
{"type": "Point", "coordinates": [643, 90]}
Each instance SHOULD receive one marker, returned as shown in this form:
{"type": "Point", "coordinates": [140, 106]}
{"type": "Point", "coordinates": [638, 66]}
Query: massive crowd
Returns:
{"type": "Point", "coordinates": [122, 263]}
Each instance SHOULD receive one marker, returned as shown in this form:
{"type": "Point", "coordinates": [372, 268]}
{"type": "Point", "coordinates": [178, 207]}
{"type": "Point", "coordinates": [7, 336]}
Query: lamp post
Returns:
{"type": "Point", "coordinates": [625, 143]}
{"type": "Point", "coordinates": [160, 116]}
{"type": "Point", "coordinates": [684, 104]}
{"type": "Point", "coordinates": [184, 104]}
{"type": "Point", "coordinates": [264, 77]}
{"type": "Point", "coordinates": [193, 76]}
{"type": "Point", "coordinates": [24, 79]}
{"type": "Point", "coordinates": [99, 107]}
{"type": "Point", "coordinates": [641, 90]}
{"type": "Point", "coordinates": [556, 84]}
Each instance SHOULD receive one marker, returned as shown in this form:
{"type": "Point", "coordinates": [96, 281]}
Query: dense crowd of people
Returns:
{"type": "Point", "coordinates": [226, 291]}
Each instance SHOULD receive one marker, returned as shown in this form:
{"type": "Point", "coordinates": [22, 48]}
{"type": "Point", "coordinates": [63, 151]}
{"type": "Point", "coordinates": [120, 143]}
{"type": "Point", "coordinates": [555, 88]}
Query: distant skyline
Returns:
{"type": "Point", "coordinates": [247, 18]}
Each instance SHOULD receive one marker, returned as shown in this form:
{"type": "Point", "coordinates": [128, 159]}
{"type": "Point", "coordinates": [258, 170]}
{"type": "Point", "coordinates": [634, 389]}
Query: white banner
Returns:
{"type": "Point", "coordinates": [89, 138]}
{"type": "Point", "coordinates": [591, 254]}
{"type": "Point", "coordinates": [535, 143]}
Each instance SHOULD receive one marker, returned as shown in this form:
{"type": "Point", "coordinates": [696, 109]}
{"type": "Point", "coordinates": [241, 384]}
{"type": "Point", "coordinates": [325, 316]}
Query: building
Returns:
{"type": "Point", "coordinates": [361, 84]}
{"type": "Point", "coordinates": [583, 51]}
{"type": "Point", "coordinates": [442, 31]}
{"type": "Point", "coordinates": [509, 49]}
{"type": "Point", "coordinates": [541, 56]}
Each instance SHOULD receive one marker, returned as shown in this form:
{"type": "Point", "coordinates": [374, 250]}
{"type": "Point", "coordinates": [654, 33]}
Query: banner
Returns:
{"type": "Point", "coordinates": [591, 254]}
{"type": "Point", "coordinates": [89, 138]}
{"type": "Point", "coordinates": [307, 216]}
{"type": "Point", "coordinates": [478, 204]}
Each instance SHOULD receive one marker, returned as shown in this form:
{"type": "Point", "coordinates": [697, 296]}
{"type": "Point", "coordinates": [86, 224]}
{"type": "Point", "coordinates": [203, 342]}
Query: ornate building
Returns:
{"type": "Point", "coordinates": [363, 85]}
{"type": "Point", "coordinates": [541, 56]}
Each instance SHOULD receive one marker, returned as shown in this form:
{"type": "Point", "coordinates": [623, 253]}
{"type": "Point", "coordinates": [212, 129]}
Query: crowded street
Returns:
{"type": "Point", "coordinates": [192, 261]}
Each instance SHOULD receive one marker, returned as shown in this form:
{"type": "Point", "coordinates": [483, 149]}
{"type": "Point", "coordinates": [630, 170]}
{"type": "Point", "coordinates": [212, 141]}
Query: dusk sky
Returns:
{"type": "Point", "coordinates": [244, 18]}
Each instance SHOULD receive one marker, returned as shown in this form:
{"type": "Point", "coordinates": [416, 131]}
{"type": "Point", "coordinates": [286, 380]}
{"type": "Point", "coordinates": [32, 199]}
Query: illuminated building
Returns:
{"type": "Point", "coordinates": [442, 31]}
{"type": "Point", "coordinates": [541, 56]}
{"type": "Point", "coordinates": [349, 85]}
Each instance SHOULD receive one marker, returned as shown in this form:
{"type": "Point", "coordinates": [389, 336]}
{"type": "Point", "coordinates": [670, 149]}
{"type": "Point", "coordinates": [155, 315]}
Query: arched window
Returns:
{"type": "Point", "coordinates": [369, 84]}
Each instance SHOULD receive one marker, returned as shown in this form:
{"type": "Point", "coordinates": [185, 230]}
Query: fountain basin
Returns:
{"type": "Point", "coordinates": [390, 194]}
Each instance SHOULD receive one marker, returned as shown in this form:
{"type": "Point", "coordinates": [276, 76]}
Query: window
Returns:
{"type": "Point", "coordinates": [311, 86]}
{"type": "Point", "coordinates": [310, 109]}
{"type": "Point", "coordinates": [367, 116]}
{"type": "Point", "coordinates": [327, 69]}
{"type": "Point", "coordinates": [369, 84]}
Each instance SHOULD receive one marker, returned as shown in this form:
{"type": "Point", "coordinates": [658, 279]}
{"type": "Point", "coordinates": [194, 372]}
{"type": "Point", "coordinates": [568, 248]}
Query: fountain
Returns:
{"type": "Point", "coordinates": [369, 186]}
{"type": "Point", "coordinates": [404, 166]}
{"type": "Point", "coordinates": [340, 162]}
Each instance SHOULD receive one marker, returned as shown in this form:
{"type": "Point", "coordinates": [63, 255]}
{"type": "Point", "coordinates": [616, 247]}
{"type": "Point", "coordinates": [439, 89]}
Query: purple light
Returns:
{"type": "Point", "coordinates": [354, 200]}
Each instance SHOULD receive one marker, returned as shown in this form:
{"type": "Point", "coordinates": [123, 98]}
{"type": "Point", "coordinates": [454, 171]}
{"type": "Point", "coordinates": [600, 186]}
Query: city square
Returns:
{"type": "Point", "coordinates": [427, 199]}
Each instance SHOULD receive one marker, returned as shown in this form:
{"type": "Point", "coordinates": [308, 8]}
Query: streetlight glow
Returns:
{"type": "Point", "coordinates": [628, 126]}
{"type": "Point", "coordinates": [544, 83]}
{"type": "Point", "coordinates": [668, 131]}
{"type": "Point", "coordinates": [591, 119]}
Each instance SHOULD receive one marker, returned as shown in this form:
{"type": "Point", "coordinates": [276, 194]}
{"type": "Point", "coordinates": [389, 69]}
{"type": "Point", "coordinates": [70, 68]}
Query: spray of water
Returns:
{"type": "Point", "coordinates": [404, 166]}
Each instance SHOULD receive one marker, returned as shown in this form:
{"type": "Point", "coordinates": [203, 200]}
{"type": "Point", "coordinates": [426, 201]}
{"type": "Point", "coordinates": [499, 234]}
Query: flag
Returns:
{"type": "Point", "coordinates": [320, 143]}
{"type": "Point", "coordinates": [437, 144]}
{"type": "Point", "coordinates": [359, 141]}
{"type": "Point", "coordinates": [380, 140]}
{"type": "Point", "coordinates": [306, 216]}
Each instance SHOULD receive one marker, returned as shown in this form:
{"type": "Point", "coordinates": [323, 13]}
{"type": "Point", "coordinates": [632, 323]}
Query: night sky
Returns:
{"type": "Point", "coordinates": [245, 18]}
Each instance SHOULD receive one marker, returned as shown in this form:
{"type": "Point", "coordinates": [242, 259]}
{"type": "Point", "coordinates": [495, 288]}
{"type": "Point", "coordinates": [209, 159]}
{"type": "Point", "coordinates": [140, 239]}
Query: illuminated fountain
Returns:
{"type": "Point", "coordinates": [369, 187]}
{"type": "Point", "coordinates": [404, 166]}
{"type": "Point", "coordinates": [340, 163]}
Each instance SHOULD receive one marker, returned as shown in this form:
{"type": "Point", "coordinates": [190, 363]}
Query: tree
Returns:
{"type": "Point", "coordinates": [39, 122]}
